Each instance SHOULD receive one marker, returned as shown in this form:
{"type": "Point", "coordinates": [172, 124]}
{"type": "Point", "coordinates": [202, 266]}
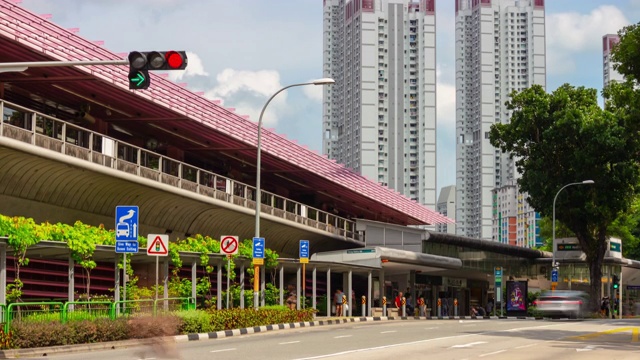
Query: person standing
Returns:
{"type": "Point", "coordinates": [337, 300]}
{"type": "Point", "coordinates": [398, 303]}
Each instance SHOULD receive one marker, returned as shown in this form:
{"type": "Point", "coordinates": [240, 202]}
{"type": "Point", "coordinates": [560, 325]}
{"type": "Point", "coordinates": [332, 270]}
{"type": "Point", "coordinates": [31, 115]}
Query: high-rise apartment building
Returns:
{"type": "Point", "coordinates": [608, 73]}
{"type": "Point", "coordinates": [500, 47]}
{"type": "Point", "coordinates": [447, 206]}
{"type": "Point", "coordinates": [515, 222]}
{"type": "Point", "coordinates": [379, 118]}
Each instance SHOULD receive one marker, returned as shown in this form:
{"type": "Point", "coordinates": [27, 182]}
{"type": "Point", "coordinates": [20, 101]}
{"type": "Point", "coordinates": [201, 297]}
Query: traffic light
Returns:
{"type": "Point", "coordinates": [616, 282]}
{"type": "Point", "coordinates": [140, 62]}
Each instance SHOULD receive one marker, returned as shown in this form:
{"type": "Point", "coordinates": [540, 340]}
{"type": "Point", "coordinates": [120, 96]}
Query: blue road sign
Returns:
{"type": "Point", "coordinates": [127, 223]}
{"type": "Point", "coordinates": [304, 249]}
{"type": "Point", "coordinates": [258, 248]}
{"type": "Point", "coordinates": [128, 246]}
{"type": "Point", "coordinates": [554, 275]}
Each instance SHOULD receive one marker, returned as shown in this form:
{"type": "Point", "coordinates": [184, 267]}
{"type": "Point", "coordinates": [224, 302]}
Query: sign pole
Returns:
{"type": "Point", "coordinates": [124, 277]}
{"type": "Point", "coordinates": [256, 286]}
{"type": "Point", "coordinates": [228, 277]}
{"type": "Point", "coordinates": [157, 270]}
{"type": "Point", "coordinates": [304, 302]}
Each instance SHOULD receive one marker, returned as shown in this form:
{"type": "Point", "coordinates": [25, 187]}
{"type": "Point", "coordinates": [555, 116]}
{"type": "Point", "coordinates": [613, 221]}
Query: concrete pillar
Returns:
{"type": "Point", "coordinates": [3, 273]}
{"type": "Point", "coordinates": [313, 288]}
{"type": "Point", "coordinates": [349, 297]}
{"type": "Point", "coordinates": [281, 280]}
{"type": "Point", "coordinates": [71, 279]}
{"type": "Point", "coordinates": [369, 293]}
{"type": "Point", "coordinates": [329, 293]}
{"type": "Point", "coordinates": [194, 278]}
{"type": "Point", "coordinates": [381, 284]}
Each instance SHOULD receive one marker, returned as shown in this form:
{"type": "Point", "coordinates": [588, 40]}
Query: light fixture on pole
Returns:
{"type": "Point", "coordinates": [256, 274]}
{"type": "Point", "coordinates": [553, 224]}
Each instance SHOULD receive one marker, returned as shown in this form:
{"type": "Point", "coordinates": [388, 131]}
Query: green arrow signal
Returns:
{"type": "Point", "coordinates": [138, 79]}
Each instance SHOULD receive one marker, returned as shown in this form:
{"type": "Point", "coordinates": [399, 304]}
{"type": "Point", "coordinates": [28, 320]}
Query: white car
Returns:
{"type": "Point", "coordinates": [571, 304]}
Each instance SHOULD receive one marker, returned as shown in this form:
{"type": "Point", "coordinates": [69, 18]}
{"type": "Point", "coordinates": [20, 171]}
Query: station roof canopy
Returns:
{"type": "Point", "coordinates": [171, 113]}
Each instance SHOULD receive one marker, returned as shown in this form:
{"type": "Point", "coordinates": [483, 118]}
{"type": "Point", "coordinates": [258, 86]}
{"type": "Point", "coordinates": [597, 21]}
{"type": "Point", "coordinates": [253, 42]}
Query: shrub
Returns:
{"type": "Point", "coordinates": [38, 334]}
{"type": "Point", "coordinates": [194, 321]}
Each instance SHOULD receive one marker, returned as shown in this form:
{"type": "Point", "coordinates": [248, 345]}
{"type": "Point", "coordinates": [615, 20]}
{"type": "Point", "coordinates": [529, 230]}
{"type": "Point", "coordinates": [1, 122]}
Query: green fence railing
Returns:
{"type": "Point", "coordinates": [44, 311]}
{"type": "Point", "coordinates": [47, 311]}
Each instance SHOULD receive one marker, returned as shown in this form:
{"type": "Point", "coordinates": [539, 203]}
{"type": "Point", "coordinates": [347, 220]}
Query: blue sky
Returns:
{"type": "Point", "coordinates": [243, 51]}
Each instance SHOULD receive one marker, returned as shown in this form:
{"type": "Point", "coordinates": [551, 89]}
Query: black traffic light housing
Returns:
{"type": "Point", "coordinates": [140, 62]}
{"type": "Point", "coordinates": [615, 281]}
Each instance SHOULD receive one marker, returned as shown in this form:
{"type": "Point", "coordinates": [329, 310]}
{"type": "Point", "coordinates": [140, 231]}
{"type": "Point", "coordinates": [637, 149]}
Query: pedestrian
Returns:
{"type": "Point", "coordinates": [398, 303]}
{"type": "Point", "coordinates": [292, 299]}
{"type": "Point", "coordinates": [490, 303]}
{"type": "Point", "coordinates": [337, 300]}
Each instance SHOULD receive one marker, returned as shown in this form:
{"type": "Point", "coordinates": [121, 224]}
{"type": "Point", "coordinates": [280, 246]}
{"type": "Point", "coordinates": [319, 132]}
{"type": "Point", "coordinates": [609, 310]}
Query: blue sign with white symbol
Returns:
{"type": "Point", "coordinates": [554, 275]}
{"type": "Point", "coordinates": [127, 246]}
{"type": "Point", "coordinates": [127, 223]}
{"type": "Point", "coordinates": [258, 248]}
{"type": "Point", "coordinates": [304, 249]}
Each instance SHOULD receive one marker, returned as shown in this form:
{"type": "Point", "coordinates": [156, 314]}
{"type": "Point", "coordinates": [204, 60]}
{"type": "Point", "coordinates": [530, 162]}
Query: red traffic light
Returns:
{"type": "Point", "coordinates": [174, 59]}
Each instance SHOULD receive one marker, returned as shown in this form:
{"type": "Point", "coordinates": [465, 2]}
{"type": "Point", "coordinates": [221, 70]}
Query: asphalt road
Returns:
{"type": "Point", "coordinates": [417, 339]}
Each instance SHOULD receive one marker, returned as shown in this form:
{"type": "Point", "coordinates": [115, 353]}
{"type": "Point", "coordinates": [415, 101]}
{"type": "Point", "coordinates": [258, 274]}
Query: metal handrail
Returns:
{"type": "Point", "coordinates": [69, 139]}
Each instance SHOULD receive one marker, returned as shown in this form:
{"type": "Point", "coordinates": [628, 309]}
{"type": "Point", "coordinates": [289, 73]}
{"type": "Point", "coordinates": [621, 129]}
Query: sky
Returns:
{"type": "Point", "coordinates": [241, 52]}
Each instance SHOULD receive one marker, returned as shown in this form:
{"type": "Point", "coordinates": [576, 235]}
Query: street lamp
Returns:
{"type": "Point", "coordinates": [553, 226]}
{"type": "Point", "coordinates": [256, 275]}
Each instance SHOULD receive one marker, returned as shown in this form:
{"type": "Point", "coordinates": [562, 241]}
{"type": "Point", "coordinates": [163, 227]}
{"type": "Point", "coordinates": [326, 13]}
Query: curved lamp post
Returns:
{"type": "Point", "coordinates": [258, 198]}
{"type": "Point", "coordinates": [553, 226]}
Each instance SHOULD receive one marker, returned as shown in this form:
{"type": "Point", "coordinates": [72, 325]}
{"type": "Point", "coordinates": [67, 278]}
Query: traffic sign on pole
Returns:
{"type": "Point", "coordinates": [157, 245]}
{"type": "Point", "coordinates": [228, 244]}
{"type": "Point", "coordinates": [258, 250]}
{"type": "Point", "coordinates": [554, 275]}
{"type": "Point", "coordinates": [127, 228]}
{"type": "Point", "coordinates": [304, 251]}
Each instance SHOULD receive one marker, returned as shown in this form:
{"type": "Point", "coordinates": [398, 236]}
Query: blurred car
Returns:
{"type": "Point", "coordinates": [571, 304]}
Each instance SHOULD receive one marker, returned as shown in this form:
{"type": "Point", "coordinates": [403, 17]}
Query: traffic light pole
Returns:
{"type": "Point", "coordinates": [22, 66]}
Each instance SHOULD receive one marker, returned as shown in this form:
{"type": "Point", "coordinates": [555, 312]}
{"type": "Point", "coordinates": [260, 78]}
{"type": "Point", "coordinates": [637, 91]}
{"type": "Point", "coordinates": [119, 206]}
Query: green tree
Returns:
{"type": "Point", "coordinates": [565, 137]}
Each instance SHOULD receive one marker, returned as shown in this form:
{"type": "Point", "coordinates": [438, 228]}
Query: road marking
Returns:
{"type": "Point", "coordinates": [469, 325]}
{"type": "Point", "coordinates": [468, 345]}
{"type": "Point", "coordinates": [221, 350]}
{"type": "Point", "coordinates": [606, 332]}
{"type": "Point", "coordinates": [492, 353]}
{"type": "Point", "coordinates": [587, 348]}
{"type": "Point", "coordinates": [387, 332]}
{"type": "Point", "coordinates": [431, 328]}
{"type": "Point", "coordinates": [634, 335]}
{"type": "Point", "coordinates": [526, 346]}
{"type": "Point", "coordinates": [342, 336]}
{"type": "Point", "coordinates": [416, 342]}
{"type": "Point", "coordinates": [289, 342]}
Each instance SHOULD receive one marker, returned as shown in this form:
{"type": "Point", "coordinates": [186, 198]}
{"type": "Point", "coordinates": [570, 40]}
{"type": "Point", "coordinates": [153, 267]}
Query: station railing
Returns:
{"type": "Point", "coordinates": [66, 138]}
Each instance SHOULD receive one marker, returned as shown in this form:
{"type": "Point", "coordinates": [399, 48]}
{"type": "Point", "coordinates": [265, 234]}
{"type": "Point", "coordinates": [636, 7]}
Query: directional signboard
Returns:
{"type": "Point", "coordinates": [228, 244]}
{"type": "Point", "coordinates": [497, 274]}
{"type": "Point", "coordinates": [258, 251]}
{"type": "Point", "coordinates": [304, 251]}
{"type": "Point", "coordinates": [127, 229]}
{"type": "Point", "coordinates": [157, 245]}
{"type": "Point", "coordinates": [554, 275]}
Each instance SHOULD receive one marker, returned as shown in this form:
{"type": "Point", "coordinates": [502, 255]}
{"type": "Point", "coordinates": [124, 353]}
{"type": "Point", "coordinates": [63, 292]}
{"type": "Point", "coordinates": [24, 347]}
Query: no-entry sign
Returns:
{"type": "Point", "coordinates": [228, 245]}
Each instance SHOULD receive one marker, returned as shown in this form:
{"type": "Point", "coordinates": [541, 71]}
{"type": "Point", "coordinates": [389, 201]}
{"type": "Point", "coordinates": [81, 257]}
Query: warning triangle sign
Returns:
{"type": "Point", "coordinates": [158, 245]}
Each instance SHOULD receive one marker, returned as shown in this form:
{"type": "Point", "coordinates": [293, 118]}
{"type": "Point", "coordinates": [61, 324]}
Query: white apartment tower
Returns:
{"type": "Point", "coordinates": [447, 207]}
{"type": "Point", "coordinates": [608, 73]}
{"type": "Point", "coordinates": [500, 47]}
{"type": "Point", "coordinates": [379, 118]}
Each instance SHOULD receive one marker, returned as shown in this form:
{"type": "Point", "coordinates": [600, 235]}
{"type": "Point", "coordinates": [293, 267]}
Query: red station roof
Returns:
{"type": "Point", "coordinates": [192, 120]}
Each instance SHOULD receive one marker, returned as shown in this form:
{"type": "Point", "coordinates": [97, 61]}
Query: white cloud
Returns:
{"type": "Point", "coordinates": [248, 91]}
{"type": "Point", "coordinates": [194, 67]}
{"type": "Point", "coordinates": [582, 32]}
{"type": "Point", "coordinates": [314, 92]}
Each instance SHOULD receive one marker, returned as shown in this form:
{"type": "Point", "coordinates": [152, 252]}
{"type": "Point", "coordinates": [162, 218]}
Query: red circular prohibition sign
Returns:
{"type": "Point", "coordinates": [229, 245]}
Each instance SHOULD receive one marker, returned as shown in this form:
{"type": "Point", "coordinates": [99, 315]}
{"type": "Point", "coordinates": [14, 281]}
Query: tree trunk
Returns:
{"type": "Point", "coordinates": [594, 248]}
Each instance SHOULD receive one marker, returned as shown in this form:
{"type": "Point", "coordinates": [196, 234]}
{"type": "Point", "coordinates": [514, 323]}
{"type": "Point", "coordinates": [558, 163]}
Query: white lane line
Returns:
{"type": "Point", "coordinates": [431, 328]}
{"type": "Point", "coordinates": [387, 332]}
{"type": "Point", "coordinates": [289, 342]}
{"type": "Point", "coordinates": [342, 336]}
{"type": "Point", "coordinates": [492, 353]}
{"type": "Point", "coordinates": [526, 346]}
{"type": "Point", "coordinates": [222, 350]}
{"type": "Point", "coordinates": [468, 345]}
{"type": "Point", "coordinates": [416, 342]}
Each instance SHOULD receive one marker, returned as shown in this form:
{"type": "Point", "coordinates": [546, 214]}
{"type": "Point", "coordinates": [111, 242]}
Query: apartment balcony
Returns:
{"type": "Point", "coordinates": [67, 139]}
